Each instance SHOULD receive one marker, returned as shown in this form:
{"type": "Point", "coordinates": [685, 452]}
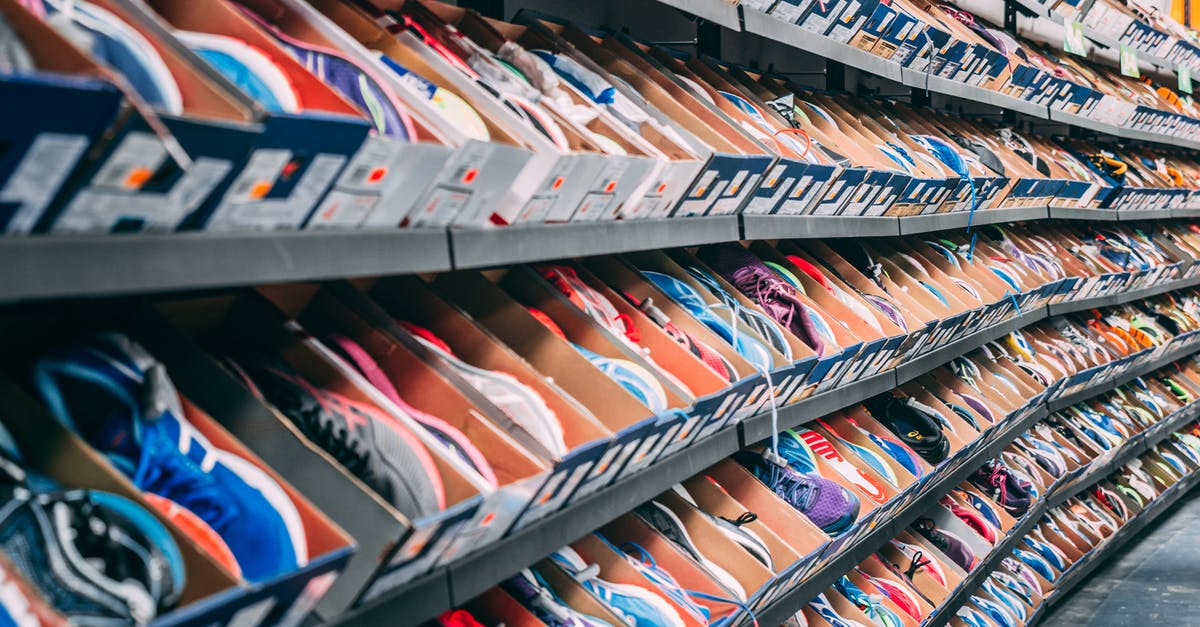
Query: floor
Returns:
{"type": "Point", "coordinates": [1155, 579]}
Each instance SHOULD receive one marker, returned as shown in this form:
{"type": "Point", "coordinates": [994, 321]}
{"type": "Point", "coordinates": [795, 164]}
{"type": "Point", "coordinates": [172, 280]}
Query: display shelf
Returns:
{"type": "Point", "coordinates": [479, 248]}
{"type": "Point", "coordinates": [942, 221]}
{"type": "Point", "coordinates": [1058, 309]}
{"type": "Point", "coordinates": [919, 366]}
{"type": "Point", "coordinates": [1077, 213]}
{"type": "Point", "coordinates": [775, 226]}
{"type": "Point", "coordinates": [1145, 214]}
{"type": "Point", "coordinates": [1170, 355]}
{"type": "Point", "coordinates": [853, 554]}
{"type": "Point", "coordinates": [959, 89]}
{"type": "Point", "coordinates": [1186, 212]}
{"type": "Point", "coordinates": [761, 427]}
{"type": "Point", "coordinates": [40, 267]}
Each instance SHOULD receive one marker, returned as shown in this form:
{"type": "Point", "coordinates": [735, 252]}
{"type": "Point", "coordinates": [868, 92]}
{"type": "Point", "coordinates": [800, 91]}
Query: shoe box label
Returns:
{"type": "Point", "coordinates": [862, 196]}
{"type": "Point", "coordinates": [382, 183]}
{"type": "Point", "coordinates": [851, 20]}
{"type": "Point", "coordinates": [422, 548]}
{"type": "Point", "coordinates": [135, 190]}
{"type": "Point", "coordinates": [840, 192]}
{"type": "Point", "coordinates": [38, 176]}
{"type": "Point", "coordinates": [777, 186]}
{"type": "Point", "coordinates": [809, 190]}
{"type": "Point", "coordinates": [874, 27]}
{"type": "Point", "coordinates": [276, 190]}
{"type": "Point", "coordinates": [888, 193]}
{"type": "Point", "coordinates": [790, 11]}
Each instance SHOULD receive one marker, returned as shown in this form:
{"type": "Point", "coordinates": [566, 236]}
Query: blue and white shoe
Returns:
{"type": "Point", "coordinates": [532, 591]}
{"type": "Point", "coordinates": [972, 617]}
{"type": "Point", "coordinates": [119, 399]}
{"type": "Point", "coordinates": [634, 604]}
{"type": "Point", "coordinates": [821, 606]}
{"type": "Point", "coordinates": [874, 460]}
{"type": "Point", "coordinates": [644, 563]}
{"type": "Point", "coordinates": [871, 605]}
{"type": "Point", "coordinates": [795, 450]}
{"type": "Point", "coordinates": [981, 505]}
{"type": "Point", "coordinates": [901, 454]}
{"type": "Point", "coordinates": [635, 379]}
{"type": "Point", "coordinates": [1011, 602]}
{"type": "Point", "coordinates": [1047, 552]}
{"type": "Point", "coordinates": [1037, 563]}
{"type": "Point", "coordinates": [995, 611]}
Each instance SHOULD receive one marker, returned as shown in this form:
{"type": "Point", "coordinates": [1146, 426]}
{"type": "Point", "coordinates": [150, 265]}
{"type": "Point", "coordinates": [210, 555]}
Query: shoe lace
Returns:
{"type": "Point", "coordinates": [918, 562]}
{"type": "Point", "coordinates": [174, 477]}
{"type": "Point", "coordinates": [744, 519]}
{"type": "Point", "coordinates": [791, 488]}
{"type": "Point", "coordinates": [760, 285]}
{"type": "Point", "coordinates": [998, 479]}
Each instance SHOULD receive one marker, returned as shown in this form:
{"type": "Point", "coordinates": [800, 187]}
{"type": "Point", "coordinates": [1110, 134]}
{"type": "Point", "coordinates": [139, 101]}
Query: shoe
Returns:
{"type": "Point", "coordinates": [897, 593]}
{"type": "Point", "coordinates": [634, 604]}
{"type": "Point", "coordinates": [247, 67]}
{"type": "Point", "coordinates": [747, 346]}
{"type": "Point", "coordinates": [1024, 574]}
{"type": "Point", "coordinates": [1046, 455]}
{"type": "Point", "coordinates": [900, 453]}
{"type": "Point", "coordinates": [357, 84]}
{"type": "Point", "coordinates": [664, 582]}
{"type": "Point", "coordinates": [120, 400]}
{"type": "Point", "coordinates": [917, 562]}
{"type": "Point", "coordinates": [1011, 603]}
{"type": "Point", "coordinates": [821, 606]}
{"type": "Point", "coordinates": [762, 324]}
{"type": "Point", "coordinates": [699, 349]}
{"type": "Point", "coordinates": [1035, 561]}
{"type": "Point", "coordinates": [1048, 552]}
{"type": "Point", "coordinates": [530, 589]}
{"type": "Point", "coordinates": [916, 428]}
{"type": "Point", "coordinates": [518, 401]}
{"type": "Point", "coordinates": [196, 530]}
{"type": "Point", "coordinates": [995, 611]}
{"type": "Point", "coordinates": [463, 618]}
{"type": "Point", "coordinates": [357, 357]}
{"type": "Point", "coordinates": [972, 617]}
{"type": "Point", "coordinates": [1010, 492]}
{"type": "Point", "coordinates": [860, 310]}
{"type": "Point", "coordinates": [871, 458]}
{"type": "Point", "coordinates": [948, 543]}
{"type": "Point", "coordinates": [752, 277]}
{"type": "Point", "coordinates": [734, 529]}
{"type": "Point", "coordinates": [971, 518]}
{"type": "Point", "coordinates": [1111, 501]}
{"type": "Point", "coordinates": [667, 523]}
{"type": "Point", "coordinates": [95, 557]}
{"type": "Point", "coordinates": [635, 379]}
{"type": "Point", "coordinates": [818, 445]}
{"type": "Point", "coordinates": [870, 605]}
{"type": "Point", "coordinates": [828, 505]}
{"type": "Point", "coordinates": [983, 506]}
{"type": "Point", "coordinates": [1013, 585]}
{"type": "Point", "coordinates": [386, 456]}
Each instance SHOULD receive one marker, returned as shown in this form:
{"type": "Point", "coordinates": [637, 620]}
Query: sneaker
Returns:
{"type": "Point", "coordinates": [120, 400]}
{"type": "Point", "coordinates": [1048, 552]}
{"type": "Point", "coordinates": [851, 473]}
{"type": "Point", "coordinates": [983, 506]}
{"type": "Point", "coordinates": [995, 611]}
{"type": "Point", "coordinates": [359, 85]}
{"type": "Point", "coordinates": [870, 604]}
{"type": "Point", "coordinates": [518, 401]}
{"type": "Point", "coordinates": [917, 562]}
{"type": "Point", "coordinates": [635, 379]}
{"type": "Point", "coordinates": [1024, 574]}
{"type": "Point", "coordinates": [948, 543]}
{"type": "Point", "coordinates": [197, 531]}
{"type": "Point", "coordinates": [900, 453]}
{"type": "Point", "coordinates": [747, 346]}
{"type": "Point", "coordinates": [96, 558]}
{"type": "Point", "coordinates": [972, 617]}
{"type": "Point", "coordinates": [871, 458]}
{"type": "Point", "coordinates": [827, 504]}
{"type": "Point", "coordinates": [667, 523]}
{"type": "Point", "coordinates": [971, 518]}
{"type": "Point", "coordinates": [636, 605]}
{"type": "Point", "coordinates": [372, 445]}
{"type": "Point", "coordinates": [644, 563]}
{"type": "Point", "coordinates": [821, 606]}
{"type": "Point", "coordinates": [897, 593]}
{"type": "Point", "coordinates": [1035, 561]}
{"type": "Point", "coordinates": [699, 349]}
{"type": "Point", "coordinates": [916, 428]}
{"type": "Point", "coordinates": [1008, 599]}
{"type": "Point", "coordinates": [357, 357]}
{"type": "Point", "coordinates": [734, 529]}
{"type": "Point", "coordinates": [752, 277]}
{"type": "Point", "coordinates": [1046, 455]}
{"type": "Point", "coordinates": [530, 589]}
{"type": "Point", "coordinates": [463, 618]}
{"type": "Point", "coordinates": [730, 307]}
{"type": "Point", "coordinates": [247, 67]}
{"type": "Point", "coordinates": [998, 481]}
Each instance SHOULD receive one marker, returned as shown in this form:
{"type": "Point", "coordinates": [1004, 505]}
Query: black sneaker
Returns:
{"type": "Point", "coordinates": [915, 426]}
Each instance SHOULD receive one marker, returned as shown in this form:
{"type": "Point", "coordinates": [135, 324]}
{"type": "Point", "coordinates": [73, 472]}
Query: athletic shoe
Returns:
{"type": "Point", "coordinates": [530, 589]}
{"type": "Point", "coordinates": [821, 446]}
{"type": "Point", "coordinates": [634, 604]}
{"type": "Point", "coordinates": [734, 529]}
{"type": "Point", "coordinates": [120, 400]}
{"type": "Point", "coordinates": [747, 346]}
{"type": "Point", "coordinates": [357, 357]}
{"type": "Point", "coordinates": [1048, 552]}
{"type": "Point", "coordinates": [1011, 603]}
{"type": "Point", "coordinates": [821, 606]}
{"type": "Point", "coordinates": [667, 523]}
{"type": "Point", "coordinates": [983, 506]}
{"type": "Point", "coordinates": [948, 543]}
{"type": "Point", "coordinates": [197, 531]}
{"type": "Point", "coordinates": [463, 618]}
{"type": "Point", "coordinates": [762, 324]}
{"type": "Point", "coordinates": [915, 426]}
{"type": "Point", "coordinates": [247, 67]}
{"type": "Point", "coordinates": [871, 605]}
{"type": "Point", "coordinates": [1035, 561]}
{"type": "Point", "coordinates": [1112, 501]}
{"type": "Point", "coordinates": [752, 277]}
{"type": "Point", "coordinates": [699, 349]}
{"type": "Point", "coordinates": [998, 481]}
{"type": "Point", "coordinates": [590, 301]}
{"type": "Point", "coordinates": [635, 379]}
{"type": "Point", "coordinates": [995, 611]}
{"type": "Point", "coordinates": [1016, 586]}
{"type": "Point", "coordinates": [827, 504]}
{"type": "Point", "coordinates": [897, 593]}
{"type": "Point", "coordinates": [917, 562]}
{"type": "Point", "coordinates": [359, 85]}
{"type": "Point", "coordinates": [871, 458]}
{"type": "Point", "coordinates": [971, 518]}
{"type": "Point", "coordinates": [644, 563]}
{"type": "Point", "coordinates": [972, 617]}
{"type": "Point", "coordinates": [95, 557]}
{"type": "Point", "coordinates": [900, 453]}
{"type": "Point", "coordinates": [372, 445]}
{"type": "Point", "coordinates": [1025, 575]}
{"type": "Point", "coordinates": [518, 401]}
{"type": "Point", "coordinates": [1046, 455]}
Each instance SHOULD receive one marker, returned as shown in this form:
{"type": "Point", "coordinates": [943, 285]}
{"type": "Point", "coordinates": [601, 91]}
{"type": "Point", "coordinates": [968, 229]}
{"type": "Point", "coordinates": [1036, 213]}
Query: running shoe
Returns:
{"type": "Point", "coordinates": [247, 67]}
{"type": "Point", "coordinates": [822, 607]}
{"type": "Point", "coordinates": [998, 481]}
{"type": "Point", "coordinates": [983, 506]}
{"type": "Point", "coordinates": [518, 401]}
{"type": "Point", "coordinates": [948, 543]}
{"type": "Point", "coordinates": [668, 523]}
{"type": "Point", "coordinates": [917, 561]}
{"type": "Point", "coordinates": [1048, 552]}
{"type": "Point", "coordinates": [357, 357]}
{"type": "Point", "coordinates": [635, 379]}
{"type": "Point", "coordinates": [636, 605]}
{"type": "Point", "coordinates": [971, 518]}
{"type": "Point", "coordinates": [699, 349]}
{"type": "Point", "coordinates": [972, 617]}
{"type": "Point", "coordinates": [916, 426]}
{"type": "Point", "coordinates": [463, 618]}
{"type": "Point", "coordinates": [734, 529]}
{"type": "Point", "coordinates": [901, 453]}
{"type": "Point", "coordinates": [828, 505]}
{"type": "Point", "coordinates": [818, 445]}
{"type": "Point", "coordinates": [897, 593]}
{"type": "Point", "coordinates": [752, 277]}
{"type": "Point", "coordinates": [1011, 602]}
{"type": "Point", "coordinates": [530, 589]}
{"type": "Point", "coordinates": [1035, 561]}
{"type": "Point", "coordinates": [871, 458]}
{"type": "Point", "coordinates": [663, 581]}
{"type": "Point", "coordinates": [762, 324]}
{"type": "Point", "coordinates": [117, 397]}
{"type": "Point", "coordinates": [995, 611]}
{"type": "Point", "coordinates": [372, 445]}
{"type": "Point", "coordinates": [871, 605]}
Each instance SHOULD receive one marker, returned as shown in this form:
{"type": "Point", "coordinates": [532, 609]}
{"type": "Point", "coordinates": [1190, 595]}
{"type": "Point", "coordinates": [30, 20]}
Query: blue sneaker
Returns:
{"type": "Point", "coordinates": [748, 347]}
{"type": "Point", "coordinates": [995, 611]}
{"type": "Point", "coordinates": [1035, 561]}
{"type": "Point", "coordinates": [871, 605]}
{"type": "Point", "coordinates": [972, 617]}
{"type": "Point", "coordinates": [531, 590]}
{"type": "Point", "coordinates": [634, 604]}
{"type": "Point", "coordinates": [644, 563]}
{"type": "Point", "coordinates": [763, 324]}
{"type": "Point", "coordinates": [1011, 603]}
{"type": "Point", "coordinates": [247, 67]}
{"type": "Point", "coordinates": [821, 606]}
{"type": "Point", "coordinates": [635, 379]}
{"type": "Point", "coordinates": [118, 398]}
{"type": "Point", "coordinates": [872, 459]}
{"type": "Point", "coordinates": [797, 453]}
{"type": "Point", "coordinates": [1048, 553]}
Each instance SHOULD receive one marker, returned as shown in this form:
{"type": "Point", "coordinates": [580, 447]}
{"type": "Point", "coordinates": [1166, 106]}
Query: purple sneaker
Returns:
{"type": "Point", "coordinates": [1010, 492]}
{"type": "Point", "coordinates": [753, 278]}
{"type": "Point", "coordinates": [948, 543]}
{"type": "Point", "coordinates": [827, 504]}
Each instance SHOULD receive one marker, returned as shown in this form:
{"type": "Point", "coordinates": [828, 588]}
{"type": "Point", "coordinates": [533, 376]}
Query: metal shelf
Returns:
{"type": "Point", "coordinates": [723, 12]}
{"type": "Point", "coordinates": [1164, 359]}
{"type": "Point", "coordinates": [478, 248]}
{"type": "Point", "coordinates": [775, 226]}
{"type": "Point", "coordinates": [1058, 309]}
{"type": "Point", "coordinates": [60, 266]}
{"type": "Point", "coordinates": [760, 427]}
{"type": "Point", "coordinates": [773, 28]}
{"type": "Point", "coordinates": [958, 220]}
{"type": "Point", "coordinates": [1076, 213]}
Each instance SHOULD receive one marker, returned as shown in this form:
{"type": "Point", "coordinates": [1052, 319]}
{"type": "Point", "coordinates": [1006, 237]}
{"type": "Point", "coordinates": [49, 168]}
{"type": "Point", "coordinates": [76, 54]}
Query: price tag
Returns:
{"type": "Point", "coordinates": [1129, 64]}
{"type": "Point", "coordinates": [1073, 38]}
{"type": "Point", "coordinates": [1185, 79]}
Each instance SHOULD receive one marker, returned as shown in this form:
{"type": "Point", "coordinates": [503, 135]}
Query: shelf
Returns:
{"type": "Point", "coordinates": [958, 220]}
{"type": "Point", "coordinates": [958, 89]}
{"type": "Point", "coordinates": [1145, 214]}
{"type": "Point", "coordinates": [479, 248]}
{"type": "Point", "coordinates": [723, 12]}
{"type": "Point", "coordinates": [783, 227]}
{"type": "Point", "coordinates": [759, 428]}
{"type": "Point", "coordinates": [61, 266]}
{"type": "Point", "coordinates": [1162, 360]}
{"type": "Point", "coordinates": [1084, 304]}
{"type": "Point", "coordinates": [919, 366]}
{"type": "Point", "coordinates": [1075, 213]}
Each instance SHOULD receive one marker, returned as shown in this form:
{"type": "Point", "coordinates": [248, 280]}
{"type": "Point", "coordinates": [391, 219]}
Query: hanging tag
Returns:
{"type": "Point", "coordinates": [1129, 64]}
{"type": "Point", "coordinates": [1185, 78]}
{"type": "Point", "coordinates": [1073, 38]}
